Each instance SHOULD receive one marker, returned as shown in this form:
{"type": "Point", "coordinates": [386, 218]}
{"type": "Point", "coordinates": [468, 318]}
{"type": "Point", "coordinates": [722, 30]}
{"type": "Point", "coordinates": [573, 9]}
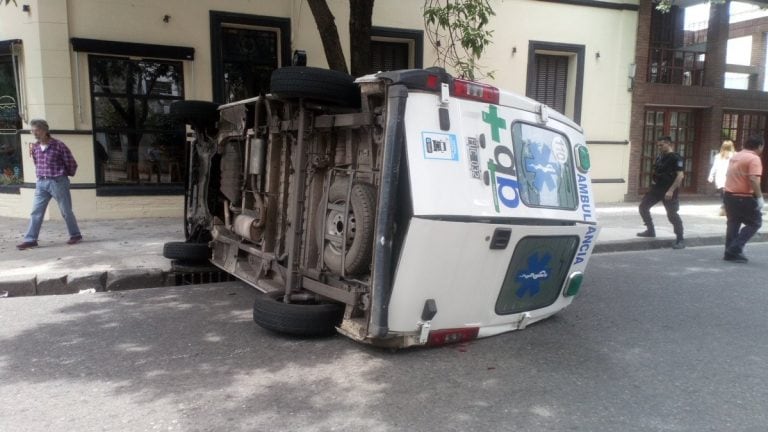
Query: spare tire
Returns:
{"type": "Point", "coordinates": [359, 226]}
{"type": "Point", "coordinates": [187, 251]}
{"type": "Point", "coordinates": [317, 84]}
{"type": "Point", "coordinates": [198, 114]}
{"type": "Point", "coordinates": [298, 319]}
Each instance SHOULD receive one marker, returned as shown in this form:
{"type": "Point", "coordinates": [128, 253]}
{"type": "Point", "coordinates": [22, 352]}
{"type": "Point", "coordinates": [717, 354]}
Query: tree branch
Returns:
{"type": "Point", "coordinates": [360, 22]}
{"type": "Point", "coordinates": [329, 34]}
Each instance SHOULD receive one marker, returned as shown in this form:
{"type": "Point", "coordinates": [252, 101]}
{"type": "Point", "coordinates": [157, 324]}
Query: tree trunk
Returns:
{"type": "Point", "coordinates": [329, 35]}
{"type": "Point", "coordinates": [360, 21]}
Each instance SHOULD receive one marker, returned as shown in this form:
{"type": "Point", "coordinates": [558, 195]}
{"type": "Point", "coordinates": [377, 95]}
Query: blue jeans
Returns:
{"type": "Point", "coordinates": [58, 189]}
{"type": "Point", "coordinates": [741, 211]}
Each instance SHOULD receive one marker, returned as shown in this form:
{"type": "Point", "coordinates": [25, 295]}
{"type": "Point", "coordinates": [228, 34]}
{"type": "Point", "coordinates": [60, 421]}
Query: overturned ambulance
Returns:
{"type": "Point", "coordinates": [402, 208]}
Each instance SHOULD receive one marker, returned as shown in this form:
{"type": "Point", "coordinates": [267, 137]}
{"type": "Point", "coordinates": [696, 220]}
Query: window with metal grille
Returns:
{"type": "Point", "coordinates": [248, 58]}
{"type": "Point", "coordinates": [245, 49]}
{"type": "Point", "coordinates": [551, 80]}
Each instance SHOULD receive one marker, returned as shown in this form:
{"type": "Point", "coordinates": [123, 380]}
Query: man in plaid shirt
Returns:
{"type": "Point", "coordinates": [54, 164]}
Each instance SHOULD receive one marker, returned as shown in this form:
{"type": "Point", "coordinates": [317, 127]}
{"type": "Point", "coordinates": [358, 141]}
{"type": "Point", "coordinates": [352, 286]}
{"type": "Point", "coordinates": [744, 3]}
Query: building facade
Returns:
{"type": "Point", "coordinates": [700, 86]}
{"type": "Point", "coordinates": [104, 74]}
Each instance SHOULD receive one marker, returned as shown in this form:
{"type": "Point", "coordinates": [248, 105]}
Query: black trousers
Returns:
{"type": "Point", "coordinates": [741, 211]}
{"type": "Point", "coordinates": [672, 206]}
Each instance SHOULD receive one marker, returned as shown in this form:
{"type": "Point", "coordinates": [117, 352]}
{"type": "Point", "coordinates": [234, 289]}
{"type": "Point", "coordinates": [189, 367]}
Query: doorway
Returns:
{"type": "Point", "coordinates": [679, 124]}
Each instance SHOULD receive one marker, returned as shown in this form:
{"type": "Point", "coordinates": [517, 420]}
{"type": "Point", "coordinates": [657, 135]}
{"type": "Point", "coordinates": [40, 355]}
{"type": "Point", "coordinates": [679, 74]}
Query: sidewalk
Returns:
{"type": "Point", "coordinates": [114, 255]}
{"type": "Point", "coordinates": [701, 220]}
{"type": "Point", "coordinates": [128, 253]}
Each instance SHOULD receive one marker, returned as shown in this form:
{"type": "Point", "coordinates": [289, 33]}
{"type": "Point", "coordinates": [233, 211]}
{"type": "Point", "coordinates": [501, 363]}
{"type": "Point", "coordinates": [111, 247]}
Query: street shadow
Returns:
{"type": "Point", "coordinates": [192, 355]}
{"type": "Point", "coordinates": [176, 345]}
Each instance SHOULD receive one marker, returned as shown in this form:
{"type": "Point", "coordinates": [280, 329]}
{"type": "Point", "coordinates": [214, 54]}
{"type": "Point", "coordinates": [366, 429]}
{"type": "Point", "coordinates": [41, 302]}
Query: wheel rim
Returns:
{"type": "Point", "coordinates": [334, 225]}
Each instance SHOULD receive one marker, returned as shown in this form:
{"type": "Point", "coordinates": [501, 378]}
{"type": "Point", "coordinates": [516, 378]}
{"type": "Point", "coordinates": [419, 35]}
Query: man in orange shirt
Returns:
{"type": "Point", "coordinates": [743, 199]}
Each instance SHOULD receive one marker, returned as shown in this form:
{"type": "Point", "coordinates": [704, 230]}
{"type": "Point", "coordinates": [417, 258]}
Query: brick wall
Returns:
{"type": "Point", "coordinates": [708, 102]}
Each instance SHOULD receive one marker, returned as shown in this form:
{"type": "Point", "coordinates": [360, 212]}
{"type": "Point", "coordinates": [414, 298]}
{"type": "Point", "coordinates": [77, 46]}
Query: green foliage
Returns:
{"type": "Point", "coordinates": [457, 29]}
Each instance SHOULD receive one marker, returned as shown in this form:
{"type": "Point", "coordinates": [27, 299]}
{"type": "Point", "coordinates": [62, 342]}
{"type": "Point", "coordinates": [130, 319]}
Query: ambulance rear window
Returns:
{"type": "Point", "coordinates": [545, 167]}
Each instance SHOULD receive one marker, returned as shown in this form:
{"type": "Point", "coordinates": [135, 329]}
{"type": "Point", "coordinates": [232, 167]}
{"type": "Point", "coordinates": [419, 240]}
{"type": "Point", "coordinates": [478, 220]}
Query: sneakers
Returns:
{"type": "Point", "coordinates": [680, 244]}
{"type": "Point", "coordinates": [75, 240]}
{"type": "Point", "coordinates": [735, 257]}
{"type": "Point", "coordinates": [26, 245]}
{"type": "Point", "coordinates": [647, 233]}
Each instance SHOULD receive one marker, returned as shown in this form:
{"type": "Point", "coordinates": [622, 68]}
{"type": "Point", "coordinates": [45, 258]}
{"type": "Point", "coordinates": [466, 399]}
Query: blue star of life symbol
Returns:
{"type": "Point", "coordinates": [539, 162]}
{"type": "Point", "coordinates": [530, 278]}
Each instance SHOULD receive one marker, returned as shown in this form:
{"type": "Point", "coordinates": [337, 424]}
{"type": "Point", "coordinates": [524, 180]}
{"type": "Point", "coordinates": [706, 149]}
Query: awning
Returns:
{"type": "Point", "coordinates": [133, 49]}
{"type": "Point", "coordinates": [5, 46]}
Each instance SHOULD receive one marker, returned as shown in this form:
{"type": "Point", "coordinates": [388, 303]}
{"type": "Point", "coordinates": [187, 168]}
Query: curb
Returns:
{"type": "Point", "coordinates": [81, 282]}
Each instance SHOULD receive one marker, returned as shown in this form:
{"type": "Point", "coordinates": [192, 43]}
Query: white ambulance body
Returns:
{"type": "Point", "coordinates": [438, 211]}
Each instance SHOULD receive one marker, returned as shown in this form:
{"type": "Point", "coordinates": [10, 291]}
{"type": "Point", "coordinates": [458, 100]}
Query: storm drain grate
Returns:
{"type": "Point", "coordinates": [202, 278]}
{"type": "Point", "coordinates": [185, 274]}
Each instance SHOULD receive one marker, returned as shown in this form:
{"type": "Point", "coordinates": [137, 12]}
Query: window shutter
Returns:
{"type": "Point", "coordinates": [551, 80]}
{"type": "Point", "coordinates": [387, 56]}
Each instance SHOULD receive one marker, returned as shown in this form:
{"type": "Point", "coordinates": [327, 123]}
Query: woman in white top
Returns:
{"type": "Point", "coordinates": [720, 168]}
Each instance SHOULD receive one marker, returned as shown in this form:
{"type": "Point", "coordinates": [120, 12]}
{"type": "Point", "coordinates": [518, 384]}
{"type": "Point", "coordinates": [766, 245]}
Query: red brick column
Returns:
{"type": "Point", "coordinates": [639, 96]}
{"type": "Point", "coordinates": [717, 44]}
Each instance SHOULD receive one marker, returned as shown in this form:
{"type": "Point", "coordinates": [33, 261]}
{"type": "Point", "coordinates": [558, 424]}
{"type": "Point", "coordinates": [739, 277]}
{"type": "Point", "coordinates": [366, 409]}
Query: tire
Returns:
{"type": "Point", "coordinates": [319, 319]}
{"type": "Point", "coordinates": [198, 114]}
{"type": "Point", "coordinates": [317, 84]}
{"type": "Point", "coordinates": [187, 251]}
{"type": "Point", "coordinates": [360, 229]}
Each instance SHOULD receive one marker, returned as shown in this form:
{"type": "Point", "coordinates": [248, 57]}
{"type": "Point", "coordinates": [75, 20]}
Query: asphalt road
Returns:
{"type": "Point", "coordinates": [657, 341]}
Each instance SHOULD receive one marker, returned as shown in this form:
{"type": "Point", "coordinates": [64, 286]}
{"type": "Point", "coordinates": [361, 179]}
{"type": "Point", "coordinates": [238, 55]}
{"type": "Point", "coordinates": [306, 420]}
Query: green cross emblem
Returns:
{"type": "Point", "coordinates": [492, 118]}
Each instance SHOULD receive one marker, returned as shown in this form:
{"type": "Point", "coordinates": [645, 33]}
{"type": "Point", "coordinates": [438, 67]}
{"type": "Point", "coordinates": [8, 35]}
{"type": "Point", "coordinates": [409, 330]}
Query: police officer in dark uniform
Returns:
{"type": "Point", "coordinates": [667, 178]}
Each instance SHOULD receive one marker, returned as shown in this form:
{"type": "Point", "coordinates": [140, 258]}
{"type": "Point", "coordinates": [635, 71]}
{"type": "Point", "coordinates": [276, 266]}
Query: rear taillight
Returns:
{"type": "Point", "coordinates": [475, 91]}
{"type": "Point", "coordinates": [433, 82]}
{"type": "Point", "coordinates": [450, 336]}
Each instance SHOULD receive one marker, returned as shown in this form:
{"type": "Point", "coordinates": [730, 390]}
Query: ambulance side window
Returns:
{"type": "Point", "coordinates": [545, 167]}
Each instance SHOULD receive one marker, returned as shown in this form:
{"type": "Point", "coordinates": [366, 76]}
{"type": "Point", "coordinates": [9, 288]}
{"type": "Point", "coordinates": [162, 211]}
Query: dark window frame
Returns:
{"type": "Point", "coordinates": [578, 50]}
{"type": "Point", "coordinates": [12, 188]}
{"type": "Point", "coordinates": [219, 18]}
{"type": "Point", "coordinates": [130, 49]}
{"type": "Point", "coordinates": [417, 36]}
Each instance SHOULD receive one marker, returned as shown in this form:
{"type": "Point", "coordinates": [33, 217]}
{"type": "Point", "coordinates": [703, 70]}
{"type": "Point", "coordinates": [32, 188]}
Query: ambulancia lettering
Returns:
{"type": "Point", "coordinates": [586, 202]}
{"type": "Point", "coordinates": [585, 245]}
